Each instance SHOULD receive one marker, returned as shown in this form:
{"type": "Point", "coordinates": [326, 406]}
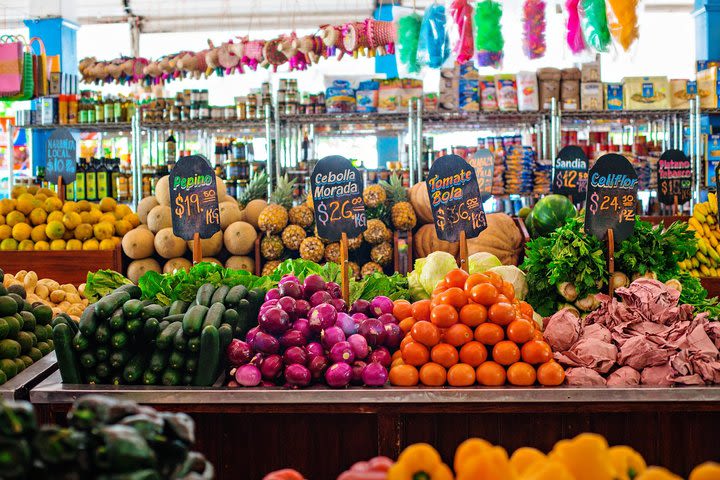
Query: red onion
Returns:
{"type": "Point", "coordinates": [382, 356]}
{"type": "Point", "coordinates": [330, 336]}
{"type": "Point", "coordinates": [375, 375]}
{"type": "Point", "coordinates": [341, 352]}
{"type": "Point", "coordinates": [274, 321]}
{"type": "Point", "coordinates": [266, 343]}
{"type": "Point", "coordinates": [360, 306]}
{"type": "Point", "coordinates": [271, 367]}
{"type": "Point", "coordinates": [359, 317]}
{"type": "Point", "coordinates": [250, 336]}
{"type": "Point", "coordinates": [338, 375]}
{"type": "Point", "coordinates": [302, 326]}
{"type": "Point", "coordinates": [313, 283]}
{"type": "Point", "coordinates": [317, 366]}
{"type": "Point", "coordinates": [248, 376]}
{"type": "Point", "coordinates": [357, 370]}
{"type": "Point", "coordinates": [288, 278]}
{"type": "Point", "coordinates": [380, 305]}
{"type": "Point", "coordinates": [373, 331]}
{"type": "Point", "coordinates": [314, 349]}
{"type": "Point", "coordinates": [320, 297]}
{"type": "Point", "coordinates": [334, 290]}
{"type": "Point", "coordinates": [393, 335]}
{"type": "Point", "coordinates": [233, 383]}
{"type": "Point", "coordinates": [291, 289]}
{"type": "Point", "coordinates": [346, 323]}
{"type": "Point", "coordinates": [359, 346]}
{"type": "Point", "coordinates": [339, 304]}
{"type": "Point", "coordinates": [292, 338]}
{"type": "Point", "coordinates": [385, 318]}
{"type": "Point", "coordinates": [295, 355]}
{"type": "Point", "coordinates": [238, 352]}
{"type": "Point", "coordinates": [302, 307]}
{"type": "Point", "coordinates": [272, 294]}
{"type": "Point", "coordinates": [321, 317]}
{"type": "Point", "coordinates": [287, 304]}
{"type": "Point", "coordinates": [297, 375]}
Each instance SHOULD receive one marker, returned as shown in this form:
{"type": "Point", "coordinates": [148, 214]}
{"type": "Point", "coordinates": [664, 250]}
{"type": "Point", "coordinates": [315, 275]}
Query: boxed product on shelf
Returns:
{"type": "Point", "coordinates": [590, 72]}
{"type": "Point", "coordinates": [527, 92]}
{"type": "Point", "coordinates": [430, 102]}
{"type": "Point", "coordinates": [681, 91]}
{"type": "Point", "coordinates": [548, 86]}
{"type": "Point", "coordinates": [591, 96]}
{"type": "Point", "coordinates": [646, 93]}
{"type": "Point", "coordinates": [507, 95]}
{"type": "Point", "coordinates": [449, 90]}
{"type": "Point", "coordinates": [488, 94]}
{"type": "Point", "coordinates": [570, 89]}
{"type": "Point", "coordinates": [705, 64]}
{"type": "Point", "coordinates": [713, 157]}
{"type": "Point", "coordinates": [410, 89]}
{"type": "Point", "coordinates": [340, 97]}
{"type": "Point", "coordinates": [707, 87]}
{"type": "Point", "coordinates": [469, 88]}
{"type": "Point", "coordinates": [366, 96]}
{"type": "Point", "coordinates": [613, 96]}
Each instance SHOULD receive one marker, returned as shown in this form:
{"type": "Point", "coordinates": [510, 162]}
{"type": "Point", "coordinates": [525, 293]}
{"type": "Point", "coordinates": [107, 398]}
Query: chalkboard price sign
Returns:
{"type": "Point", "coordinates": [484, 164]}
{"type": "Point", "coordinates": [611, 198]}
{"type": "Point", "coordinates": [194, 198]}
{"type": "Point", "coordinates": [674, 178]}
{"type": "Point", "coordinates": [61, 155]}
{"type": "Point", "coordinates": [337, 196]}
{"type": "Point", "coordinates": [570, 172]}
{"type": "Point", "coordinates": [455, 199]}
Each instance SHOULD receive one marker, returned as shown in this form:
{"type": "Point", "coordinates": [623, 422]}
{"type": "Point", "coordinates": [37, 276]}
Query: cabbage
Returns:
{"type": "Point", "coordinates": [481, 261]}
{"type": "Point", "coordinates": [512, 274]}
{"type": "Point", "coordinates": [433, 269]}
{"type": "Point", "coordinates": [417, 292]}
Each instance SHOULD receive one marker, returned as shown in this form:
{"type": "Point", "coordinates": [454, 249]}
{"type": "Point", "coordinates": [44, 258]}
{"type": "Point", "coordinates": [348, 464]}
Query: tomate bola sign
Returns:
{"type": "Point", "coordinates": [194, 198]}
{"type": "Point", "coordinates": [455, 199]}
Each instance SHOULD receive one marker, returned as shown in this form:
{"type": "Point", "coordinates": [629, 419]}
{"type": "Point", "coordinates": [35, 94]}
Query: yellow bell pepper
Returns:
{"type": "Point", "coordinates": [657, 473]}
{"type": "Point", "coordinates": [419, 462]}
{"type": "Point", "coordinates": [585, 456]}
{"type": "Point", "coordinates": [468, 449]}
{"type": "Point", "coordinates": [545, 469]}
{"type": "Point", "coordinates": [523, 457]}
{"type": "Point", "coordinates": [706, 471]}
{"type": "Point", "coordinates": [489, 464]}
{"type": "Point", "coordinates": [627, 462]}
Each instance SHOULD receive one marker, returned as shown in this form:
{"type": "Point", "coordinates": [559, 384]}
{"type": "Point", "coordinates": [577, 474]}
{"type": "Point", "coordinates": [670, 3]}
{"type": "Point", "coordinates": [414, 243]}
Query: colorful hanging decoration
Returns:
{"type": "Point", "coordinates": [534, 29]}
{"type": "Point", "coordinates": [461, 12]}
{"type": "Point", "coordinates": [623, 21]}
{"type": "Point", "coordinates": [408, 38]}
{"type": "Point", "coordinates": [574, 33]}
{"type": "Point", "coordinates": [433, 45]}
{"type": "Point", "coordinates": [489, 41]}
{"type": "Point", "coordinates": [594, 24]}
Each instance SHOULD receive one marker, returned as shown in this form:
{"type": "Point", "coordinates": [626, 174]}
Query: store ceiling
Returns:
{"type": "Point", "coordinates": [195, 15]}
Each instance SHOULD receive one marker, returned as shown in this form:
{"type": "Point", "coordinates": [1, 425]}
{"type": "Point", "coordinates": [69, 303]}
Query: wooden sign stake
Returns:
{"type": "Point", "coordinates": [61, 189]}
{"type": "Point", "coordinates": [464, 252]}
{"type": "Point", "coordinates": [345, 267]}
{"type": "Point", "coordinates": [675, 205]}
{"type": "Point", "coordinates": [611, 258]}
{"type": "Point", "coordinates": [571, 199]}
{"type": "Point", "coordinates": [197, 249]}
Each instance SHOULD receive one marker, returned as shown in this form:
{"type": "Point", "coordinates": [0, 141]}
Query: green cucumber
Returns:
{"type": "Point", "coordinates": [92, 379]}
{"type": "Point", "coordinates": [80, 342]}
{"type": "Point", "coordinates": [165, 338]}
{"type": "Point", "coordinates": [193, 319]}
{"type": "Point", "coordinates": [214, 315]}
{"type": "Point", "coordinates": [243, 322]}
{"type": "Point", "coordinates": [163, 325]}
{"type": "Point", "coordinates": [158, 361]}
{"type": "Point", "coordinates": [133, 290]}
{"type": "Point", "coordinates": [154, 310]}
{"type": "Point", "coordinates": [43, 314]}
{"type": "Point", "coordinates": [231, 317]}
{"type": "Point", "coordinates": [102, 334]}
{"type": "Point", "coordinates": [256, 297]}
{"type": "Point", "coordinates": [69, 368]}
{"type": "Point", "coordinates": [117, 320]}
{"type": "Point", "coordinates": [134, 326]}
{"type": "Point", "coordinates": [88, 323]}
{"type": "Point", "coordinates": [176, 361]}
{"type": "Point", "coordinates": [119, 340]}
{"type": "Point", "coordinates": [119, 358]}
{"type": "Point", "coordinates": [132, 308]}
{"type": "Point", "coordinates": [180, 341]}
{"type": "Point", "coordinates": [193, 345]}
{"type": "Point", "coordinates": [149, 378]}
{"type": "Point", "coordinates": [133, 371]}
{"type": "Point", "coordinates": [191, 365]}
{"type": "Point", "coordinates": [204, 294]}
{"type": "Point", "coordinates": [108, 304]}
{"type": "Point", "coordinates": [174, 318]}
{"type": "Point", "coordinates": [102, 353]}
{"type": "Point", "coordinates": [102, 370]}
{"type": "Point", "coordinates": [60, 318]}
{"type": "Point", "coordinates": [226, 336]}
{"type": "Point", "coordinates": [178, 307]}
{"type": "Point", "coordinates": [171, 378]}
{"type": "Point", "coordinates": [209, 357]}
{"type": "Point", "coordinates": [236, 293]}
{"type": "Point", "coordinates": [87, 360]}
{"type": "Point", "coordinates": [40, 332]}
{"type": "Point", "coordinates": [151, 329]}
{"type": "Point", "coordinates": [219, 295]}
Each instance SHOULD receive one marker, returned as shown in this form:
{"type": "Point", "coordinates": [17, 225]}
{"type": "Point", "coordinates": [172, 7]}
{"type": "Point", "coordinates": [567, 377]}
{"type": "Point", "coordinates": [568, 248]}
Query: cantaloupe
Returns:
{"type": "Point", "coordinates": [226, 198]}
{"type": "Point", "coordinates": [238, 262]}
{"type": "Point", "coordinates": [162, 191]}
{"type": "Point", "coordinates": [180, 263]}
{"type": "Point", "coordinates": [144, 207]}
{"type": "Point", "coordinates": [229, 213]}
{"type": "Point", "coordinates": [168, 245]}
{"type": "Point", "coordinates": [210, 246]}
{"type": "Point", "coordinates": [138, 243]}
{"type": "Point", "coordinates": [212, 260]}
{"type": "Point", "coordinates": [252, 211]}
{"type": "Point", "coordinates": [240, 238]}
{"type": "Point", "coordinates": [137, 268]}
{"type": "Point", "coordinates": [159, 217]}
{"type": "Point", "coordinates": [221, 188]}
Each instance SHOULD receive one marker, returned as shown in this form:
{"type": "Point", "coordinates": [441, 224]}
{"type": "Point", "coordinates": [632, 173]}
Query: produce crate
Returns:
{"type": "Point", "coordinates": [18, 387]}
{"type": "Point", "coordinates": [62, 266]}
{"type": "Point", "coordinates": [712, 285]}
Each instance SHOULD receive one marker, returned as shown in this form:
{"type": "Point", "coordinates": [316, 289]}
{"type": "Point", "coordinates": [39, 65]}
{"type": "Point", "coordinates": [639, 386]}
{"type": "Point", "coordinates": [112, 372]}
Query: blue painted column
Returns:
{"type": "Point", "coordinates": [387, 146]}
{"type": "Point", "coordinates": [707, 29]}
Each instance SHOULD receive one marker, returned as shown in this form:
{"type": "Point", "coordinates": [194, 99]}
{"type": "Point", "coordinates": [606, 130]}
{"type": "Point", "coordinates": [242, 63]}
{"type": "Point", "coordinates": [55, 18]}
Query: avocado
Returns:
{"type": "Point", "coordinates": [9, 367]}
{"type": "Point", "coordinates": [17, 289]}
{"type": "Point", "coordinates": [9, 348]}
{"type": "Point", "coordinates": [8, 306]}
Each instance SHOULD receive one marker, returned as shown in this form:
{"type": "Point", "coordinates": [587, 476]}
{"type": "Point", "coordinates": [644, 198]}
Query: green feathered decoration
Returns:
{"type": "Point", "coordinates": [408, 37]}
{"type": "Point", "coordinates": [594, 24]}
{"type": "Point", "coordinates": [489, 41]}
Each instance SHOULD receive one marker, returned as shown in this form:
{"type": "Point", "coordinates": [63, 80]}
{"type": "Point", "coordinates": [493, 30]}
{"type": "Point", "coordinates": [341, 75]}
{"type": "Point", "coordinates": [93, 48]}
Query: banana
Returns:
{"type": "Point", "coordinates": [713, 241]}
{"type": "Point", "coordinates": [695, 262]}
{"type": "Point", "coordinates": [704, 270]}
{"type": "Point", "coordinates": [713, 271]}
{"type": "Point", "coordinates": [710, 220]}
{"type": "Point", "coordinates": [702, 246]}
{"type": "Point", "coordinates": [706, 230]}
{"type": "Point", "coordinates": [702, 209]}
{"type": "Point", "coordinates": [714, 255]}
{"type": "Point", "coordinates": [702, 258]}
{"type": "Point", "coordinates": [716, 234]}
{"type": "Point", "coordinates": [694, 224]}
{"type": "Point", "coordinates": [713, 202]}
{"type": "Point", "coordinates": [698, 216]}
{"type": "Point", "coordinates": [694, 273]}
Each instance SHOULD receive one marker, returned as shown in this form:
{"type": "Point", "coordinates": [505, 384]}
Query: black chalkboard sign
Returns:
{"type": "Point", "coordinates": [337, 196]}
{"type": "Point", "coordinates": [570, 172]}
{"type": "Point", "coordinates": [455, 199]}
{"type": "Point", "coordinates": [194, 198]}
{"type": "Point", "coordinates": [61, 155]}
{"type": "Point", "coordinates": [484, 164]}
{"type": "Point", "coordinates": [611, 198]}
{"type": "Point", "coordinates": [674, 178]}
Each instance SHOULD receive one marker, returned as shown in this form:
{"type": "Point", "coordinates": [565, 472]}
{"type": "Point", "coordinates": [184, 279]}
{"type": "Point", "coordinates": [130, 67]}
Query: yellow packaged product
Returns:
{"type": "Point", "coordinates": [707, 87]}
{"type": "Point", "coordinates": [646, 93]}
{"type": "Point", "coordinates": [679, 97]}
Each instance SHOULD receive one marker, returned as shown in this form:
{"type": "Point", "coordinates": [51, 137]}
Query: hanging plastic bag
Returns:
{"type": "Point", "coordinates": [534, 29]}
{"type": "Point", "coordinates": [461, 12]}
{"type": "Point", "coordinates": [433, 47]}
{"type": "Point", "coordinates": [594, 24]}
{"type": "Point", "coordinates": [489, 40]}
{"type": "Point", "coordinates": [622, 15]}
{"type": "Point", "coordinates": [408, 37]}
{"type": "Point", "coordinates": [574, 36]}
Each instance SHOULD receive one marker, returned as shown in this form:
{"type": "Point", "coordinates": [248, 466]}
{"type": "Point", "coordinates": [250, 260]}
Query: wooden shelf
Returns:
{"type": "Point", "coordinates": [66, 266]}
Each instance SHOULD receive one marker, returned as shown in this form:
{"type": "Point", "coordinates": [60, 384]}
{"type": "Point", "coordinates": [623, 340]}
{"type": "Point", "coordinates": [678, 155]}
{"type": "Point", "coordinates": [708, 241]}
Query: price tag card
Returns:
{"type": "Point", "coordinates": [484, 164]}
{"type": "Point", "coordinates": [455, 199]}
{"type": "Point", "coordinates": [674, 178]}
{"type": "Point", "coordinates": [194, 198]}
{"type": "Point", "coordinates": [337, 196]}
{"type": "Point", "coordinates": [570, 172]}
{"type": "Point", "coordinates": [611, 198]}
{"type": "Point", "coordinates": [61, 155]}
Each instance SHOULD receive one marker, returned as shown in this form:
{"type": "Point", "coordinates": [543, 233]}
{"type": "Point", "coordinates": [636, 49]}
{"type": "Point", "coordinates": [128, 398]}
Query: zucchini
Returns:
{"type": "Point", "coordinates": [158, 361]}
{"type": "Point", "coordinates": [163, 325]}
{"type": "Point", "coordinates": [193, 319]}
{"type": "Point", "coordinates": [108, 304]}
{"type": "Point", "coordinates": [119, 359]}
{"type": "Point", "coordinates": [236, 293]}
{"type": "Point", "coordinates": [226, 336]}
{"type": "Point", "coordinates": [191, 365]}
{"type": "Point", "coordinates": [178, 307]}
{"type": "Point", "coordinates": [149, 378]}
{"type": "Point", "coordinates": [209, 357]}
{"type": "Point", "coordinates": [174, 318]}
{"type": "Point", "coordinates": [117, 320]}
{"type": "Point", "coordinates": [231, 317]}
{"type": "Point", "coordinates": [176, 361]}
{"type": "Point", "coordinates": [134, 326]}
{"type": "Point", "coordinates": [256, 297]}
{"type": "Point", "coordinates": [134, 369]}
{"type": "Point", "coordinates": [151, 329]}
{"type": "Point", "coordinates": [179, 341]}
{"type": "Point", "coordinates": [87, 360]}
{"type": "Point", "coordinates": [102, 353]}
{"type": "Point", "coordinates": [61, 318]}
{"type": "Point", "coordinates": [102, 334]}
{"type": "Point", "coordinates": [102, 370]}
{"type": "Point", "coordinates": [67, 362]}
{"type": "Point", "coordinates": [219, 295]}
{"type": "Point", "coordinates": [133, 290]}
{"type": "Point", "coordinates": [88, 323]}
{"type": "Point", "coordinates": [154, 310]}
{"type": "Point", "coordinates": [118, 340]}
{"type": "Point", "coordinates": [214, 315]}
{"type": "Point", "coordinates": [243, 322]}
{"type": "Point", "coordinates": [193, 345]}
{"type": "Point", "coordinates": [171, 378]}
{"type": "Point", "coordinates": [132, 308]}
{"type": "Point", "coordinates": [80, 342]}
{"type": "Point", "coordinates": [204, 294]}
{"type": "Point", "coordinates": [165, 338]}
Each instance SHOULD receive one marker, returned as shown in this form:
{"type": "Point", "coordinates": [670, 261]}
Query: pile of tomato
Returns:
{"type": "Point", "coordinates": [472, 330]}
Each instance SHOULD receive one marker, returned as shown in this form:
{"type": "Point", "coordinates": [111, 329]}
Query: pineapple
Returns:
{"type": "Point", "coordinates": [292, 236]}
{"type": "Point", "coordinates": [370, 268]}
{"type": "Point", "coordinates": [382, 254]}
{"type": "Point", "coordinates": [274, 218]}
{"type": "Point", "coordinates": [402, 212]}
{"type": "Point", "coordinates": [355, 242]}
{"type": "Point", "coordinates": [283, 193]}
{"type": "Point", "coordinates": [309, 202]}
{"type": "Point", "coordinates": [257, 188]}
{"type": "Point", "coordinates": [388, 235]}
{"type": "Point", "coordinates": [374, 196]}
{"type": "Point", "coordinates": [332, 253]}
{"type": "Point", "coordinates": [271, 247]}
{"type": "Point", "coordinates": [312, 249]}
{"type": "Point", "coordinates": [270, 267]}
{"type": "Point", "coordinates": [354, 270]}
{"type": "Point", "coordinates": [376, 232]}
{"type": "Point", "coordinates": [301, 215]}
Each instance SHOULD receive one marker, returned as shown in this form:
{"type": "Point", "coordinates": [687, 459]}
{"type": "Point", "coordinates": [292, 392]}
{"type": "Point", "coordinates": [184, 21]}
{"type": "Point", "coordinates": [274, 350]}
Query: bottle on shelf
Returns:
{"type": "Point", "coordinates": [104, 188]}
{"type": "Point", "coordinates": [170, 151]}
{"type": "Point", "coordinates": [80, 192]}
{"type": "Point", "coordinates": [90, 180]}
{"type": "Point", "coordinates": [114, 169]}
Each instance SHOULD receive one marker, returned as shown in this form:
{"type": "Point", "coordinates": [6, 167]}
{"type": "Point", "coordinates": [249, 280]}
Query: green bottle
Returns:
{"type": "Point", "coordinates": [114, 178]}
{"type": "Point", "coordinates": [103, 179]}
{"type": "Point", "coordinates": [91, 180]}
{"type": "Point", "coordinates": [80, 191]}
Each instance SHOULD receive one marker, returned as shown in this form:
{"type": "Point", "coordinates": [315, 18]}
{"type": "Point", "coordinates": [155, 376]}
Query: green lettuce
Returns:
{"type": "Point", "coordinates": [102, 282]}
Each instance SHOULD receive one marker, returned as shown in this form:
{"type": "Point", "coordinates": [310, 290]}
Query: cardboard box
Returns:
{"type": "Point", "coordinates": [707, 87]}
{"type": "Point", "coordinates": [449, 90]}
{"type": "Point", "coordinates": [613, 96]}
{"type": "Point", "coordinates": [646, 93]}
{"type": "Point", "coordinates": [591, 96]}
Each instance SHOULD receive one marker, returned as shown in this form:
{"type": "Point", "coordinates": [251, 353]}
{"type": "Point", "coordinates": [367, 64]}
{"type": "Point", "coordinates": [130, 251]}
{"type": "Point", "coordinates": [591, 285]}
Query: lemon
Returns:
{"type": "Point", "coordinates": [33, 189]}
{"type": "Point", "coordinates": [83, 231]}
{"type": "Point", "coordinates": [40, 197]}
{"type": "Point", "coordinates": [103, 230]}
{"type": "Point", "coordinates": [5, 232]}
{"type": "Point", "coordinates": [38, 233]}
{"type": "Point", "coordinates": [42, 246]}
{"type": "Point", "coordinates": [70, 207]}
{"type": "Point", "coordinates": [133, 219]}
{"type": "Point", "coordinates": [55, 216]}
{"type": "Point", "coordinates": [83, 206]}
{"type": "Point", "coordinates": [107, 244]}
{"type": "Point", "coordinates": [25, 203]}
{"type": "Point", "coordinates": [122, 227]}
{"type": "Point", "coordinates": [21, 231]}
{"type": "Point", "coordinates": [107, 204]}
{"type": "Point", "coordinates": [95, 216]}
{"type": "Point", "coordinates": [91, 244]}
{"type": "Point", "coordinates": [2, 219]}
{"type": "Point", "coordinates": [53, 204]}
{"type": "Point", "coordinates": [7, 205]}
{"type": "Point", "coordinates": [17, 191]}
{"type": "Point", "coordinates": [14, 217]}
{"type": "Point", "coordinates": [73, 244]}
{"type": "Point", "coordinates": [38, 216]}
{"type": "Point", "coordinates": [55, 230]}
{"type": "Point", "coordinates": [69, 234]}
{"type": "Point", "coordinates": [26, 245]}
{"type": "Point", "coordinates": [71, 220]}
{"type": "Point", "coordinates": [57, 245]}
{"type": "Point", "coordinates": [107, 217]}
{"type": "Point", "coordinates": [116, 240]}
{"type": "Point", "coordinates": [8, 245]}
{"type": "Point", "coordinates": [47, 192]}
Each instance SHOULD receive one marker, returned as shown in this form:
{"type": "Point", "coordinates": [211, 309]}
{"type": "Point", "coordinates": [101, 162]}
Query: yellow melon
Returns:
{"type": "Point", "coordinates": [179, 263]}
{"type": "Point", "coordinates": [168, 245]}
{"type": "Point", "coordinates": [253, 210]}
{"type": "Point", "coordinates": [137, 268]}
{"type": "Point", "coordinates": [240, 238]}
{"type": "Point", "coordinates": [138, 243]}
{"type": "Point", "coordinates": [159, 217]}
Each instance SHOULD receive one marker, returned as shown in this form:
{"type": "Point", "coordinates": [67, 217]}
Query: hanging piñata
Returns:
{"type": "Point", "coordinates": [408, 37]}
{"type": "Point", "coordinates": [574, 33]}
{"type": "Point", "coordinates": [594, 24]}
{"type": "Point", "coordinates": [433, 47]}
{"type": "Point", "coordinates": [624, 21]}
{"type": "Point", "coordinates": [461, 13]}
{"type": "Point", "coordinates": [534, 29]}
{"type": "Point", "coordinates": [489, 41]}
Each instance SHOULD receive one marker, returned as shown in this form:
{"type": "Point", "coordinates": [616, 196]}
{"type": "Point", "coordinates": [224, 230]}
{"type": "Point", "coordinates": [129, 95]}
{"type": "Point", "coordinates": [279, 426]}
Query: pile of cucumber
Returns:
{"type": "Point", "coordinates": [25, 331]}
{"type": "Point", "coordinates": [124, 340]}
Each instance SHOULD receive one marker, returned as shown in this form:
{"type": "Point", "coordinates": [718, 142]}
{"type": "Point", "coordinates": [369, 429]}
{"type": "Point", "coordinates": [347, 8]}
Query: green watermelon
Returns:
{"type": "Point", "coordinates": [550, 213]}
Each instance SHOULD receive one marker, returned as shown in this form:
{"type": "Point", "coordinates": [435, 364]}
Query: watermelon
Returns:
{"type": "Point", "coordinates": [550, 213]}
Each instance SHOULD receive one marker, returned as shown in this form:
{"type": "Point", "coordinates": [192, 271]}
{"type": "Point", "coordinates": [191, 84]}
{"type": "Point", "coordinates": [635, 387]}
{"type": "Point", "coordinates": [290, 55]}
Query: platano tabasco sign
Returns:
{"type": "Point", "coordinates": [194, 198]}
{"type": "Point", "coordinates": [455, 199]}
